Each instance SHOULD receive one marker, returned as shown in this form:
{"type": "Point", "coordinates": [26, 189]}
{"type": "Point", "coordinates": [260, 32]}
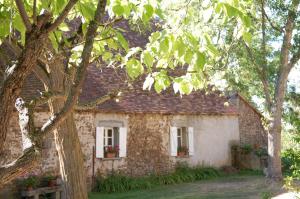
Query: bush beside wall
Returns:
{"type": "Point", "coordinates": [183, 173]}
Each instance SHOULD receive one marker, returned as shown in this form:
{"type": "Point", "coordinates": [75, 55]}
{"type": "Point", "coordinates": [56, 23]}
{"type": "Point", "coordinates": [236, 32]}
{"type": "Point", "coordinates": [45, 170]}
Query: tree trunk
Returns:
{"type": "Point", "coordinates": [66, 138]}
{"type": "Point", "coordinates": [14, 78]}
{"type": "Point", "coordinates": [274, 148]}
{"type": "Point", "coordinates": [274, 134]}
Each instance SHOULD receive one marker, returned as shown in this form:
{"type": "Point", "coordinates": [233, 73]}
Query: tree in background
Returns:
{"type": "Point", "coordinates": [261, 67]}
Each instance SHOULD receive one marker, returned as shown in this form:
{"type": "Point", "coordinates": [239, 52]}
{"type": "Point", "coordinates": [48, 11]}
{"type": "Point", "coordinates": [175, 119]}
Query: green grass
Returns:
{"type": "Point", "coordinates": [236, 186]}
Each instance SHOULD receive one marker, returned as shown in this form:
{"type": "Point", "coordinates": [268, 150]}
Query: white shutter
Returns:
{"type": "Point", "coordinates": [99, 142]}
{"type": "Point", "coordinates": [191, 140]}
{"type": "Point", "coordinates": [123, 142]}
{"type": "Point", "coordinates": [173, 141]}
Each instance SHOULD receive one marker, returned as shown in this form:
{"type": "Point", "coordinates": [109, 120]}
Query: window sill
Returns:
{"type": "Point", "coordinates": [182, 157]}
{"type": "Point", "coordinates": [108, 159]}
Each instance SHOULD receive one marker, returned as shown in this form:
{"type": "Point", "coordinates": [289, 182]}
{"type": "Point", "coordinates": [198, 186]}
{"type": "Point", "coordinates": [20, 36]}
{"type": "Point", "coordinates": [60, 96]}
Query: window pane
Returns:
{"type": "Point", "coordinates": [185, 139]}
{"type": "Point", "coordinates": [109, 141]}
{"type": "Point", "coordinates": [179, 141]}
{"type": "Point", "coordinates": [179, 132]}
{"type": "Point", "coordinates": [109, 133]}
{"type": "Point", "coordinates": [116, 136]}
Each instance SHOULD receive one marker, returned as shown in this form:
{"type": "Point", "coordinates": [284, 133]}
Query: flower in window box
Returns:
{"type": "Point", "coordinates": [111, 151]}
{"type": "Point", "coordinates": [182, 151]}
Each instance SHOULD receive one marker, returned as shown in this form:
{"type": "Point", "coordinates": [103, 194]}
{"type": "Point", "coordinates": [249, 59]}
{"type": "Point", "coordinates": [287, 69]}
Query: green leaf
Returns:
{"type": "Point", "coordinates": [188, 56]}
{"type": "Point", "coordinates": [162, 81]}
{"type": "Point", "coordinates": [87, 10]}
{"type": "Point", "coordinates": [63, 27]}
{"type": "Point", "coordinates": [185, 87]}
{"type": "Point", "coordinates": [230, 10]}
{"type": "Point", "coordinates": [164, 45]}
{"type": "Point", "coordinates": [107, 56]}
{"type": "Point", "coordinates": [118, 9]}
{"type": "Point", "coordinates": [59, 5]}
{"type": "Point", "coordinates": [200, 61]}
{"type": "Point", "coordinates": [148, 12]}
{"type": "Point", "coordinates": [246, 20]}
{"type": "Point", "coordinates": [122, 41]}
{"type": "Point", "coordinates": [53, 41]}
{"type": "Point", "coordinates": [247, 37]}
{"type": "Point", "coordinates": [179, 47]}
{"type": "Point", "coordinates": [147, 59]}
{"type": "Point", "coordinates": [134, 68]}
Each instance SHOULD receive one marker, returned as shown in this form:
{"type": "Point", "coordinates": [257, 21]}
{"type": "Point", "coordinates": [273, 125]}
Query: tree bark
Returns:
{"type": "Point", "coordinates": [274, 134]}
{"type": "Point", "coordinates": [66, 137]}
{"type": "Point", "coordinates": [14, 78]}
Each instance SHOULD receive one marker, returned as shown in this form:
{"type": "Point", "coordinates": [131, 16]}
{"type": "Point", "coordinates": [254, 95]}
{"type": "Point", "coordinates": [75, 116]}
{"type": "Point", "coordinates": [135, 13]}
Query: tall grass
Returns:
{"type": "Point", "coordinates": [121, 183]}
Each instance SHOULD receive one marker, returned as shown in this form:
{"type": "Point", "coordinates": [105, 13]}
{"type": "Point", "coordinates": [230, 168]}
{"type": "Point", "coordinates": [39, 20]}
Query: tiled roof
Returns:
{"type": "Point", "coordinates": [100, 81]}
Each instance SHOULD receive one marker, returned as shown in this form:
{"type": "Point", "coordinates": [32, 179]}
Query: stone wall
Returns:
{"type": "Point", "coordinates": [148, 147]}
{"type": "Point", "coordinates": [250, 125]}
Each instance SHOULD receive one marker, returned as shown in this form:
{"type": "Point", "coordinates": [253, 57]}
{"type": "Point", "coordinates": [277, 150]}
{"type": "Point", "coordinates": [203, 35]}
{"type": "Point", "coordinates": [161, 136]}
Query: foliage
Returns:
{"type": "Point", "coordinates": [111, 149]}
{"type": "Point", "coordinates": [246, 148]}
{"type": "Point", "coordinates": [291, 162]}
{"type": "Point", "coordinates": [261, 152]}
{"type": "Point", "coordinates": [31, 181]}
{"type": "Point", "coordinates": [121, 183]}
{"type": "Point", "coordinates": [183, 149]}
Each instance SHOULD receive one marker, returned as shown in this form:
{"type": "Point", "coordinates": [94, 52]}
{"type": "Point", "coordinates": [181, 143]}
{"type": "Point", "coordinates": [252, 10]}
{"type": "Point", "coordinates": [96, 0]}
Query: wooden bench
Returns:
{"type": "Point", "coordinates": [36, 193]}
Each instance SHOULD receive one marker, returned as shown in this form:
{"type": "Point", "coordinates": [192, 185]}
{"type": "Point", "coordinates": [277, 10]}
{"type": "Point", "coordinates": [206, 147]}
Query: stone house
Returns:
{"type": "Point", "coordinates": [148, 128]}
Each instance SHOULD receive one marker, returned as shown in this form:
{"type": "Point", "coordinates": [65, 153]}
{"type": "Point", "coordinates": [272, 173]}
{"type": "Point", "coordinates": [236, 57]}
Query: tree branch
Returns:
{"type": "Point", "coordinates": [289, 26]}
{"type": "Point", "coordinates": [262, 78]}
{"type": "Point", "coordinates": [74, 93]}
{"type": "Point", "coordinates": [45, 97]}
{"type": "Point", "coordinates": [100, 100]}
{"type": "Point", "coordinates": [25, 163]}
{"type": "Point", "coordinates": [34, 12]}
{"type": "Point", "coordinates": [23, 14]}
{"type": "Point", "coordinates": [279, 29]}
{"type": "Point", "coordinates": [62, 16]}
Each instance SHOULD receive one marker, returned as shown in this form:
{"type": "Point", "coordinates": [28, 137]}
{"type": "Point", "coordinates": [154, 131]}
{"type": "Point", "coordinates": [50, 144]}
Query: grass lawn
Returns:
{"type": "Point", "coordinates": [243, 187]}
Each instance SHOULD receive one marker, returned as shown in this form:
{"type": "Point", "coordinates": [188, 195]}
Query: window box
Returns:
{"type": "Point", "coordinates": [110, 155]}
{"type": "Point", "coordinates": [181, 154]}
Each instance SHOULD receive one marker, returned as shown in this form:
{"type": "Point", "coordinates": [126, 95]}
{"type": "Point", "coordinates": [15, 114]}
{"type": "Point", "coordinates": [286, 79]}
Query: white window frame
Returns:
{"type": "Point", "coordinates": [106, 137]}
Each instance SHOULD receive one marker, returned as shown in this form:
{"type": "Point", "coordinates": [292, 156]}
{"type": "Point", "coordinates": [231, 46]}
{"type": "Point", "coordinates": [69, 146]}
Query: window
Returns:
{"type": "Point", "coordinates": [111, 142]}
{"type": "Point", "coordinates": [181, 141]}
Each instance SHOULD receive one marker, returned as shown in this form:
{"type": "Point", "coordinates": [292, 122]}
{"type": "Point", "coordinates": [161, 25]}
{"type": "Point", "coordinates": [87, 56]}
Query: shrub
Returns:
{"type": "Point", "coordinates": [31, 181]}
{"type": "Point", "coordinates": [246, 148]}
{"type": "Point", "coordinates": [291, 162]}
{"type": "Point", "coordinates": [182, 173]}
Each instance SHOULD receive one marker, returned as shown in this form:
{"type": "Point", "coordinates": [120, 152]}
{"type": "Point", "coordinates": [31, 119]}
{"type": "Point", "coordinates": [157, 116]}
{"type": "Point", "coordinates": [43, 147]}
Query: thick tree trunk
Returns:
{"type": "Point", "coordinates": [66, 138]}
{"type": "Point", "coordinates": [274, 148]}
{"type": "Point", "coordinates": [14, 78]}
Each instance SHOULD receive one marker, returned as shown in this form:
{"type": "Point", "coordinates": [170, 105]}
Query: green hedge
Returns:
{"type": "Point", "coordinates": [121, 183]}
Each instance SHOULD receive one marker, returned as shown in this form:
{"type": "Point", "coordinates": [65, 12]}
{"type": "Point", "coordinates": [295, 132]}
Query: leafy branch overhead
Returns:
{"type": "Point", "coordinates": [166, 50]}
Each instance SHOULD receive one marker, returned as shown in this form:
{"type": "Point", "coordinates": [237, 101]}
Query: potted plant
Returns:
{"type": "Point", "coordinates": [51, 180]}
{"type": "Point", "coordinates": [30, 183]}
{"type": "Point", "coordinates": [246, 149]}
{"type": "Point", "coordinates": [111, 151]}
{"type": "Point", "coordinates": [182, 151]}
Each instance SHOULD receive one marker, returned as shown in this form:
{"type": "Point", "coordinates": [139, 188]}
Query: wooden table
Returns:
{"type": "Point", "coordinates": [55, 192]}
